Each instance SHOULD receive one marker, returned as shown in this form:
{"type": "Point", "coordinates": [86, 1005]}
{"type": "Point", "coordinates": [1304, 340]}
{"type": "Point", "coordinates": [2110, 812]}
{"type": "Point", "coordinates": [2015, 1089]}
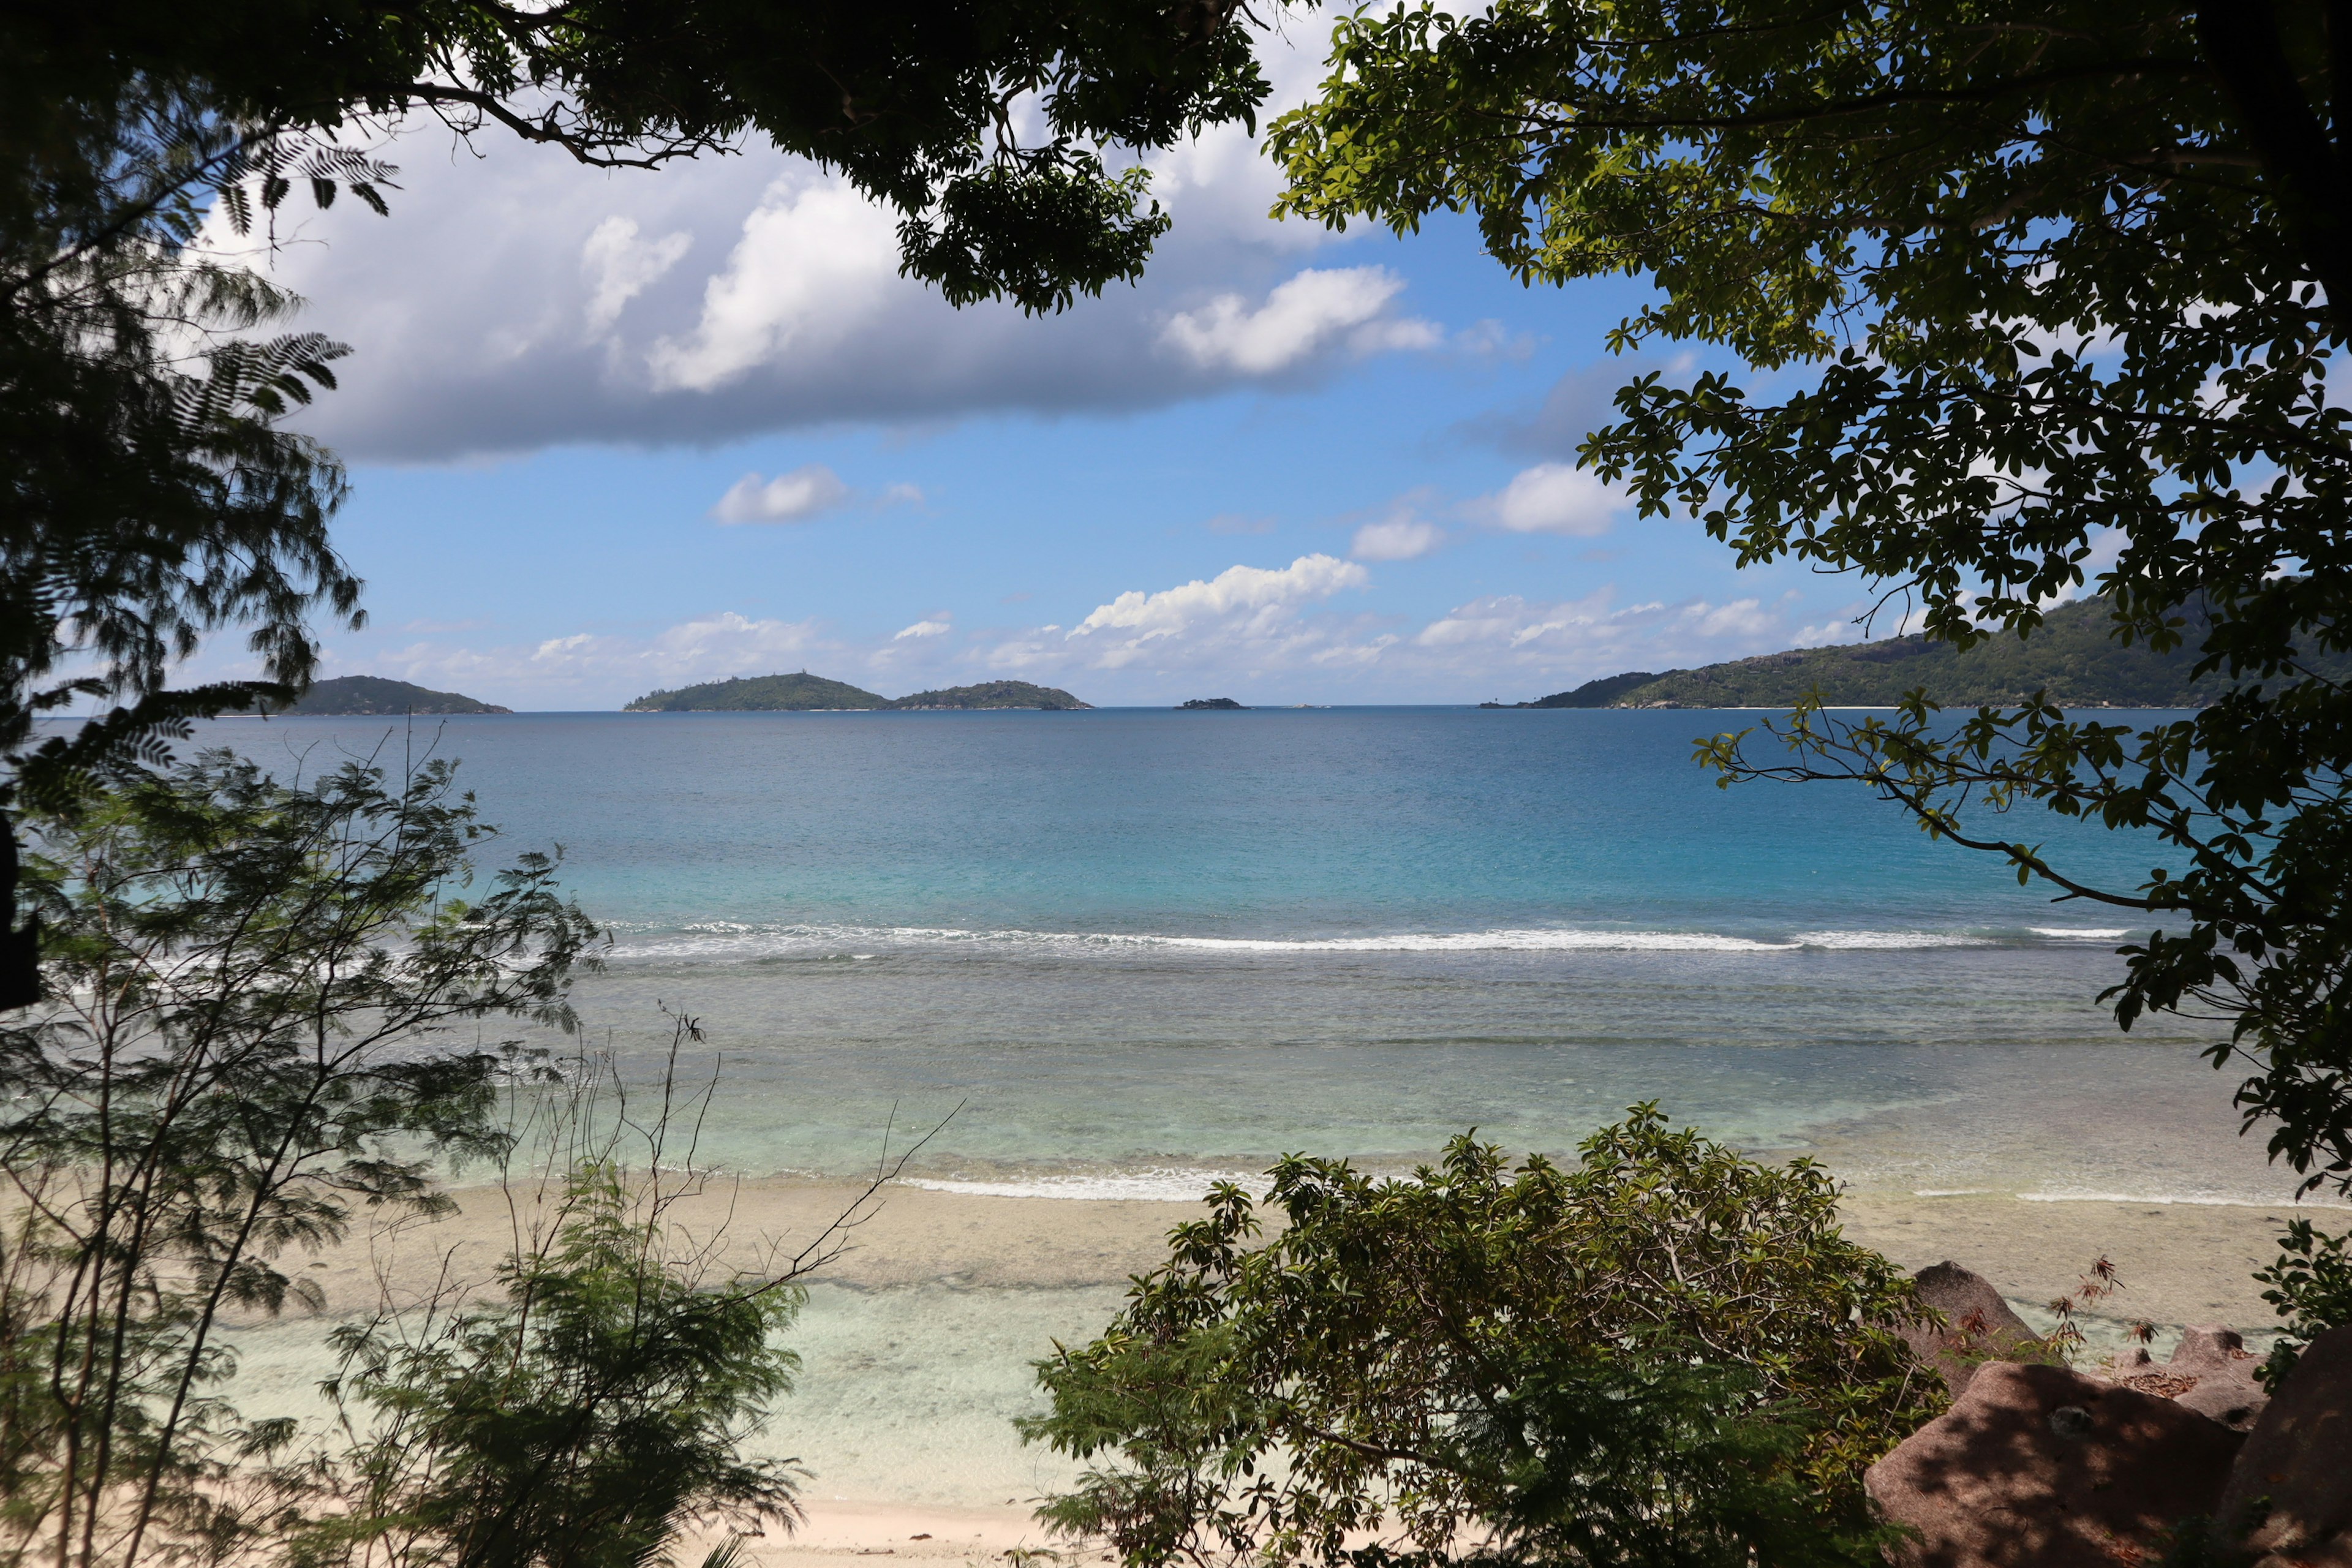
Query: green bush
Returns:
{"type": "Point", "coordinates": [1666, 1353]}
{"type": "Point", "coordinates": [2311, 1287]}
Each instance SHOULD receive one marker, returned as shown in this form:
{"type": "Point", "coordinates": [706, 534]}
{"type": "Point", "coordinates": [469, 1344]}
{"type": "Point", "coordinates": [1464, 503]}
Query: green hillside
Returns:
{"type": "Point", "coordinates": [995, 694]}
{"type": "Point", "coordinates": [372, 694]}
{"type": "Point", "coordinates": [759, 694]}
{"type": "Point", "coordinates": [2071, 656]}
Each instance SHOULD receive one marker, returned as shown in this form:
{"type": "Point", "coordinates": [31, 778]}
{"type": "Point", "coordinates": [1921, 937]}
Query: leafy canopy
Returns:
{"type": "Point", "coordinates": [1664, 1353]}
{"type": "Point", "coordinates": [2051, 292]}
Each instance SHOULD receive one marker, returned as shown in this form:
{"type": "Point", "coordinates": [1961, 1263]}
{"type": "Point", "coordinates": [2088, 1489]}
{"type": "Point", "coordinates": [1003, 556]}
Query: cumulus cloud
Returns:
{"type": "Point", "coordinates": [1293, 632]}
{"type": "Point", "coordinates": [1241, 604]}
{"type": "Point", "coordinates": [1554, 498]}
{"type": "Point", "coordinates": [1396, 539]}
{"type": "Point", "coordinates": [796, 497]}
{"type": "Point", "coordinates": [619, 267]}
{"type": "Point", "coordinates": [516, 301]}
{"type": "Point", "coordinates": [928, 627]}
{"type": "Point", "coordinates": [1300, 318]}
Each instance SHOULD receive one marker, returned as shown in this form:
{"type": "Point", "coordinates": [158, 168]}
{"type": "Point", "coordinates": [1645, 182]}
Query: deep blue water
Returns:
{"type": "Point", "coordinates": [1135, 944]}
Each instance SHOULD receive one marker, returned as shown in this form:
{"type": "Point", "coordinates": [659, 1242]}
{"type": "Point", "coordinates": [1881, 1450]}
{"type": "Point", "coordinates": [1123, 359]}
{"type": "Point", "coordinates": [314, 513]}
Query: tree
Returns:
{"type": "Point", "coordinates": [256, 985]}
{"type": "Point", "coordinates": [149, 497]}
{"type": "Point", "coordinates": [2054, 288]}
{"type": "Point", "coordinates": [1663, 1354]}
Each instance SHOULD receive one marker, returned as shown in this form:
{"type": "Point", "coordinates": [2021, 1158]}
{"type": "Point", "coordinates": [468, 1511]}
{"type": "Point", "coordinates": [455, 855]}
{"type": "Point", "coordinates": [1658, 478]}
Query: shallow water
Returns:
{"type": "Point", "coordinates": [1128, 949]}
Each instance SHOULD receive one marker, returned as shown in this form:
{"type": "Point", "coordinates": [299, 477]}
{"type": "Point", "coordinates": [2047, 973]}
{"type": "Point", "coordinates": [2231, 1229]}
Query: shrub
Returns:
{"type": "Point", "coordinates": [1664, 1353]}
{"type": "Point", "coordinates": [2311, 1287]}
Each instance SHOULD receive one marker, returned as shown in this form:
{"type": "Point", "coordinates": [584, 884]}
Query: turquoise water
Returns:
{"type": "Point", "coordinates": [1130, 950]}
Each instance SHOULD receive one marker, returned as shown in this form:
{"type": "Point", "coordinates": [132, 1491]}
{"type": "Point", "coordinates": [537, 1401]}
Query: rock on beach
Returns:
{"type": "Point", "coordinates": [2040, 1467]}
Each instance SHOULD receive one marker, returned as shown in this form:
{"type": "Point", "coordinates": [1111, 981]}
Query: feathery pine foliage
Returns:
{"type": "Point", "coordinates": [255, 989]}
{"type": "Point", "coordinates": [149, 496]}
{"type": "Point", "coordinates": [1664, 1353]}
{"type": "Point", "coordinates": [2054, 288]}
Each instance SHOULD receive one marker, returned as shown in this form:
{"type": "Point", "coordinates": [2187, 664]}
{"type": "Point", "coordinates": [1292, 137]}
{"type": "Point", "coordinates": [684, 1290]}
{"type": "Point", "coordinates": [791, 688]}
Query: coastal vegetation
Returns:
{"type": "Point", "coordinates": [375, 694]}
{"type": "Point", "coordinates": [1210, 705]}
{"type": "Point", "coordinates": [2070, 659]}
{"type": "Point", "coordinates": [805, 692]}
{"type": "Point", "coordinates": [269, 1039]}
{"type": "Point", "coordinates": [1662, 1353]}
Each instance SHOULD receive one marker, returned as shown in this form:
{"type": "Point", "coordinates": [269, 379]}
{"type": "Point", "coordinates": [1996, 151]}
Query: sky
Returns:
{"type": "Point", "coordinates": [613, 431]}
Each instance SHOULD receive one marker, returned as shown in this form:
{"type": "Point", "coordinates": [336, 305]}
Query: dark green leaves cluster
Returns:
{"type": "Point", "coordinates": [1664, 1353]}
{"type": "Point", "coordinates": [2311, 1288]}
{"type": "Point", "coordinates": [2053, 292]}
{"type": "Point", "coordinates": [987, 124]}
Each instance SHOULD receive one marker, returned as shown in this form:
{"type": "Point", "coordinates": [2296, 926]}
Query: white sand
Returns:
{"type": "Point", "coordinates": [918, 1336]}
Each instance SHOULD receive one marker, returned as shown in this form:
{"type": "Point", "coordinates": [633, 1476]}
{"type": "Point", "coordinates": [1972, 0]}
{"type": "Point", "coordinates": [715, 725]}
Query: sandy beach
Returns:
{"type": "Point", "coordinates": [918, 1333]}
{"type": "Point", "coordinates": [2180, 1263]}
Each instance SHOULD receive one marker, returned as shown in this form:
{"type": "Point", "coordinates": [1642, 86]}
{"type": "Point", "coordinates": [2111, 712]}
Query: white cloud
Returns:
{"type": "Point", "coordinates": [605, 668]}
{"type": "Point", "coordinates": [815, 260]}
{"type": "Point", "coordinates": [1396, 539]}
{"type": "Point", "coordinates": [1740, 618]}
{"type": "Point", "coordinates": [515, 300]}
{"type": "Point", "coordinates": [1310, 313]}
{"type": "Point", "coordinates": [619, 267]}
{"type": "Point", "coordinates": [1554, 498]}
{"type": "Point", "coordinates": [1248, 602]}
{"type": "Point", "coordinates": [788, 498]}
{"type": "Point", "coordinates": [1278, 631]}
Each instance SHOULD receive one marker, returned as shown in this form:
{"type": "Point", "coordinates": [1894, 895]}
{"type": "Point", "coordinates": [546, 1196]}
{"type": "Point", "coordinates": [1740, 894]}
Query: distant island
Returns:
{"type": "Point", "coordinates": [374, 696]}
{"type": "Point", "coordinates": [2070, 657]}
{"type": "Point", "coordinates": [806, 693]}
{"type": "Point", "coordinates": [995, 694]}
{"type": "Point", "coordinates": [1211, 705]}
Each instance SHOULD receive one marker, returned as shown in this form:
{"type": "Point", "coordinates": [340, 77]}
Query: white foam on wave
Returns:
{"type": "Point", "coordinates": [726, 940]}
{"type": "Point", "coordinates": [2187, 1200]}
{"type": "Point", "coordinates": [1158, 1184]}
{"type": "Point", "coordinates": [2081, 933]}
{"type": "Point", "coordinates": [1535, 940]}
{"type": "Point", "coordinates": [722, 940]}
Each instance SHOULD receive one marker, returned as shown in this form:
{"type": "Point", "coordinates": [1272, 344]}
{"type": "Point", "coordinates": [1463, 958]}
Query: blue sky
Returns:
{"type": "Point", "coordinates": [614, 431]}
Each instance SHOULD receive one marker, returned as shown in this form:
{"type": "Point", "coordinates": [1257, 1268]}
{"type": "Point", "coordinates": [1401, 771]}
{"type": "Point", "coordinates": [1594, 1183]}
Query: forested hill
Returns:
{"type": "Point", "coordinates": [2071, 656]}
{"type": "Point", "coordinates": [995, 694]}
{"type": "Point", "coordinates": [372, 694]}
{"type": "Point", "coordinates": [812, 693]}
{"type": "Point", "coordinates": [759, 694]}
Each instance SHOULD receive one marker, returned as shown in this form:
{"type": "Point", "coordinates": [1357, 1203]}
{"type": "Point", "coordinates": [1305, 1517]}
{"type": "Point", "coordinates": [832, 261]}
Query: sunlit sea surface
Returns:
{"type": "Point", "coordinates": [1135, 950]}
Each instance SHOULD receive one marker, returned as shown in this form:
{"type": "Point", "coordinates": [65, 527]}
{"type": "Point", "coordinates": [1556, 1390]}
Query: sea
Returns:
{"type": "Point", "coordinates": [1128, 952]}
